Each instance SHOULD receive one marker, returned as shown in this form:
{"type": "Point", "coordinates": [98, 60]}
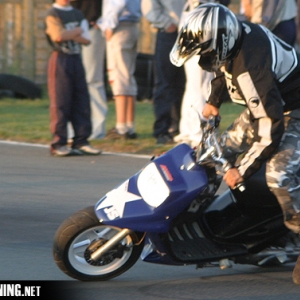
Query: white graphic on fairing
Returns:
{"type": "Point", "coordinates": [152, 186]}
{"type": "Point", "coordinates": [115, 201]}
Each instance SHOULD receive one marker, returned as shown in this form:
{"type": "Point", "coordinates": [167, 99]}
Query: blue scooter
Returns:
{"type": "Point", "coordinates": [169, 213]}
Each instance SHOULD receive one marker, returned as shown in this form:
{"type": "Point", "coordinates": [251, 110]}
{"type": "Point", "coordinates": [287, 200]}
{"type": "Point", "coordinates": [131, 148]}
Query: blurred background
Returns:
{"type": "Point", "coordinates": [24, 51]}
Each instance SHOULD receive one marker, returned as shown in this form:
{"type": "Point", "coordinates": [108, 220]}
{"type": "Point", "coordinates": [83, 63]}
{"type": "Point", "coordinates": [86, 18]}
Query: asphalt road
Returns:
{"type": "Point", "coordinates": [38, 192]}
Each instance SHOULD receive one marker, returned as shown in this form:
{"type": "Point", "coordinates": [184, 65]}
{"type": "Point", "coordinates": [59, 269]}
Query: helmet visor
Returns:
{"type": "Point", "coordinates": [187, 46]}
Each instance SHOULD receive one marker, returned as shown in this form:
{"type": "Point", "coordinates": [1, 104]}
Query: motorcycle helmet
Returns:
{"type": "Point", "coordinates": [211, 31]}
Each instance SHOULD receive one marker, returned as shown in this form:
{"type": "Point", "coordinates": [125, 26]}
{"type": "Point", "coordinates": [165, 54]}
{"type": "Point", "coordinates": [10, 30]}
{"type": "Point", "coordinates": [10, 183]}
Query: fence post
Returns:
{"type": "Point", "coordinates": [28, 55]}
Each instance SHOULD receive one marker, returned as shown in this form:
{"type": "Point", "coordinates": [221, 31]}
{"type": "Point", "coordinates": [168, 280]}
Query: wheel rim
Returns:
{"type": "Point", "coordinates": [85, 238]}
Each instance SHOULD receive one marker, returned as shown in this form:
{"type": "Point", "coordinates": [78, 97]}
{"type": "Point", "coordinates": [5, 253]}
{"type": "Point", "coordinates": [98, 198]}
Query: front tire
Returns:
{"type": "Point", "coordinates": [74, 238]}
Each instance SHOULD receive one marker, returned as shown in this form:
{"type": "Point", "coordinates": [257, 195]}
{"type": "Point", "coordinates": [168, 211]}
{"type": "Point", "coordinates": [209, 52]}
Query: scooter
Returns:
{"type": "Point", "coordinates": [169, 213]}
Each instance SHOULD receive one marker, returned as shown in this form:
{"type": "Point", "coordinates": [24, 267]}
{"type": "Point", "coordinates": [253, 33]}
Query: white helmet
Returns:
{"type": "Point", "coordinates": [211, 31]}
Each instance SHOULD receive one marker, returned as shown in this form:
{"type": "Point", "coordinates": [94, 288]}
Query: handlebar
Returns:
{"type": "Point", "coordinates": [240, 186]}
{"type": "Point", "coordinates": [212, 123]}
{"type": "Point", "coordinates": [210, 149]}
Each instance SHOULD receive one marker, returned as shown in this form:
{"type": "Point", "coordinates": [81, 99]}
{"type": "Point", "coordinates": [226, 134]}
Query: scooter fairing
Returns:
{"type": "Point", "coordinates": [150, 199]}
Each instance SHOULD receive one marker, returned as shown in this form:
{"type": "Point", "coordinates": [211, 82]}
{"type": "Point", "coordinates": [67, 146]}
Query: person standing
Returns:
{"type": "Point", "coordinates": [120, 26]}
{"type": "Point", "coordinates": [66, 30]}
{"type": "Point", "coordinates": [196, 89]}
{"type": "Point", "coordinates": [169, 80]}
{"type": "Point", "coordinates": [93, 57]}
{"type": "Point", "coordinates": [278, 16]}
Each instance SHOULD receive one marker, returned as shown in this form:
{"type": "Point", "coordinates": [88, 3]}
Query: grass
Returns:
{"type": "Point", "coordinates": [28, 121]}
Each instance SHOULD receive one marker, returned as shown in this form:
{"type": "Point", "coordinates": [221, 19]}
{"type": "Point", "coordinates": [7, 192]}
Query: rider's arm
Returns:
{"type": "Point", "coordinates": [266, 116]}
{"type": "Point", "coordinates": [218, 91]}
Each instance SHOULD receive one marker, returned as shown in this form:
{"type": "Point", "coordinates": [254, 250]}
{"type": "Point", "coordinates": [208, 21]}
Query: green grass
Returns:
{"type": "Point", "coordinates": [28, 121]}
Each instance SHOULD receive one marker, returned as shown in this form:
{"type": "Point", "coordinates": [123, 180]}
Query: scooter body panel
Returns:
{"type": "Point", "coordinates": [229, 225]}
{"type": "Point", "coordinates": [149, 200]}
{"type": "Point", "coordinates": [248, 217]}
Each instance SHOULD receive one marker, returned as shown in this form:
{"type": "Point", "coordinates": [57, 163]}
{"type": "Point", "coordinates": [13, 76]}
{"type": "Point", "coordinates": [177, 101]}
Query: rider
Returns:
{"type": "Point", "coordinates": [254, 68]}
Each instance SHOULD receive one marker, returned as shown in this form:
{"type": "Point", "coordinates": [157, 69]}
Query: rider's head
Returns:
{"type": "Point", "coordinates": [211, 31]}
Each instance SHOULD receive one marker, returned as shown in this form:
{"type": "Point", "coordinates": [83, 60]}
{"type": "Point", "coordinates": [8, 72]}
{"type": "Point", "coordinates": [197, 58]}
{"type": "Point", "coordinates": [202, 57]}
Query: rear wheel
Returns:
{"type": "Point", "coordinates": [80, 235]}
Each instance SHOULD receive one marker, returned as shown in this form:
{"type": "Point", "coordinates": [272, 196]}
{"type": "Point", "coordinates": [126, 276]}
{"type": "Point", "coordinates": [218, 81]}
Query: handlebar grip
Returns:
{"type": "Point", "coordinates": [240, 186]}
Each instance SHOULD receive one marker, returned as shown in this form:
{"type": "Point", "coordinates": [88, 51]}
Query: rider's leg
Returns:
{"type": "Point", "coordinates": [283, 178]}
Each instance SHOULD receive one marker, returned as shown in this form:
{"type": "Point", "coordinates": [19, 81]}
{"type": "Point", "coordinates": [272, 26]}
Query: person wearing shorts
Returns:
{"type": "Point", "coordinates": [119, 24]}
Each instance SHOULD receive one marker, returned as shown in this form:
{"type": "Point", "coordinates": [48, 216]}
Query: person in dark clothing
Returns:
{"type": "Point", "coordinates": [66, 30]}
{"type": "Point", "coordinates": [278, 16]}
{"type": "Point", "coordinates": [169, 81]}
{"type": "Point", "coordinates": [247, 60]}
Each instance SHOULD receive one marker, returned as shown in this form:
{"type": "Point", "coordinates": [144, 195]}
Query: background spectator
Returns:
{"type": "Point", "coordinates": [66, 30]}
{"type": "Point", "coordinates": [169, 80]}
{"type": "Point", "coordinates": [93, 57]}
{"type": "Point", "coordinates": [196, 89]}
{"type": "Point", "coordinates": [120, 25]}
{"type": "Point", "coordinates": [278, 16]}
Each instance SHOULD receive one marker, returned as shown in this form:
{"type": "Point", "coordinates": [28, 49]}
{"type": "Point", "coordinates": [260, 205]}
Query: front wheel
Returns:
{"type": "Point", "coordinates": [82, 232]}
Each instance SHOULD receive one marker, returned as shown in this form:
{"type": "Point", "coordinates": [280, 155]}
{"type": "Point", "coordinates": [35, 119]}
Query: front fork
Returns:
{"type": "Point", "coordinates": [96, 255]}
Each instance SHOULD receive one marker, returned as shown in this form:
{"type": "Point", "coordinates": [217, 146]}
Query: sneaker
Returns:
{"type": "Point", "coordinates": [64, 151]}
{"type": "Point", "coordinates": [180, 137]}
{"type": "Point", "coordinates": [113, 134]}
{"type": "Point", "coordinates": [164, 139]}
{"type": "Point", "coordinates": [89, 150]}
{"type": "Point", "coordinates": [173, 131]}
{"type": "Point", "coordinates": [296, 272]}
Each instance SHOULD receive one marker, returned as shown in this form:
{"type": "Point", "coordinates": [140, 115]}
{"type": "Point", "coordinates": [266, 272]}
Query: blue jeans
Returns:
{"type": "Point", "coordinates": [169, 85]}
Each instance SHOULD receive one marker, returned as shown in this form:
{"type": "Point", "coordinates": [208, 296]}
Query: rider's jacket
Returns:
{"type": "Point", "coordinates": [264, 75]}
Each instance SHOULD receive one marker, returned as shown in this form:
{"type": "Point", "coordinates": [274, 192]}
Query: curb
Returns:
{"type": "Point", "coordinates": [103, 153]}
